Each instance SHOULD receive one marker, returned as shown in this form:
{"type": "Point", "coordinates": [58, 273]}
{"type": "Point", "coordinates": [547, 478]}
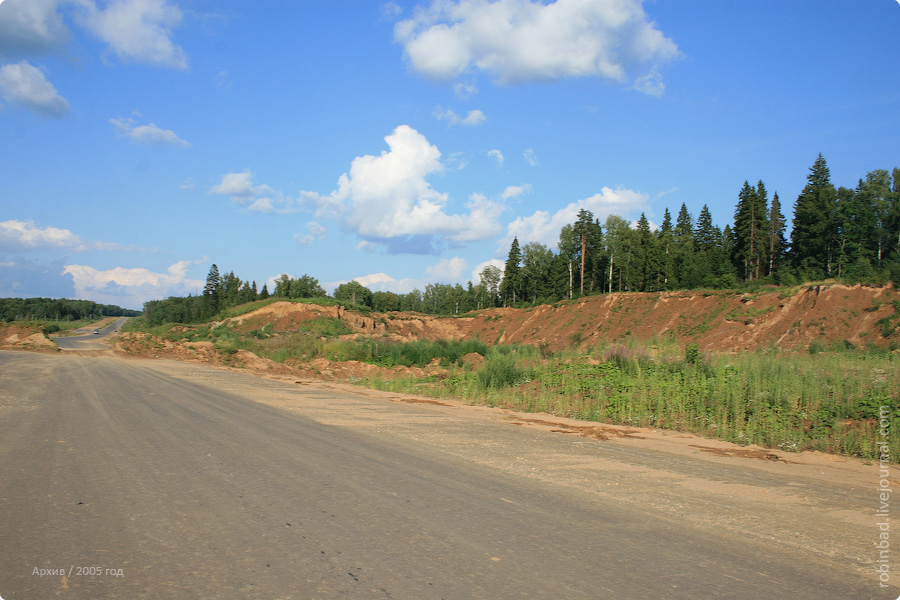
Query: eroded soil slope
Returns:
{"type": "Point", "coordinates": [718, 320]}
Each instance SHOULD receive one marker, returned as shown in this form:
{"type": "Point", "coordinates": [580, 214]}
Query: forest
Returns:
{"type": "Point", "coordinates": [849, 234]}
{"type": "Point", "coordinates": [49, 309]}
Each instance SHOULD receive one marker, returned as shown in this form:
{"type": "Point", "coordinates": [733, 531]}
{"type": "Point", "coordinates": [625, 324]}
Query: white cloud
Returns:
{"type": "Point", "coordinates": [527, 40]}
{"type": "Point", "coordinates": [496, 154]}
{"type": "Point", "coordinates": [530, 157]}
{"type": "Point", "coordinates": [132, 287]}
{"type": "Point", "coordinates": [544, 227]}
{"type": "Point", "coordinates": [30, 27]}
{"type": "Point", "coordinates": [23, 85]}
{"type": "Point", "coordinates": [315, 231]}
{"type": "Point", "coordinates": [514, 191]}
{"type": "Point", "coordinates": [137, 30]}
{"type": "Point", "coordinates": [387, 199]}
{"type": "Point", "coordinates": [255, 198]}
{"type": "Point", "coordinates": [447, 270]}
{"type": "Point", "coordinates": [464, 91]}
{"type": "Point", "coordinates": [474, 117]}
{"type": "Point", "coordinates": [147, 135]}
{"type": "Point", "coordinates": [18, 236]}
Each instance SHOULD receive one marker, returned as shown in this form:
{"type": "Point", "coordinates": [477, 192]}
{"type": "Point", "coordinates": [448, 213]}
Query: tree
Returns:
{"type": "Point", "coordinates": [777, 241]}
{"type": "Point", "coordinates": [211, 292]}
{"type": "Point", "coordinates": [568, 251]}
{"type": "Point", "coordinates": [353, 292]}
{"type": "Point", "coordinates": [815, 231]}
{"type": "Point", "coordinates": [751, 231]}
{"type": "Point", "coordinates": [511, 284]}
{"type": "Point", "coordinates": [664, 242]}
{"type": "Point", "coordinates": [617, 247]}
{"type": "Point", "coordinates": [490, 279]}
{"type": "Point", "coordinates": [686, 274]}
{"type": "Point", "coordinates": [588, 234]}
{"type": "Point", "coordinates": [537, 260]}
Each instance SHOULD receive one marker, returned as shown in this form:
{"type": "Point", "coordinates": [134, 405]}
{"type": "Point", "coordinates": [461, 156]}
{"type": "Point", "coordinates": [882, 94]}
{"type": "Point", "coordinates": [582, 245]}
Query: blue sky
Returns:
{"type": "Point", "coordinates": [406, 143]}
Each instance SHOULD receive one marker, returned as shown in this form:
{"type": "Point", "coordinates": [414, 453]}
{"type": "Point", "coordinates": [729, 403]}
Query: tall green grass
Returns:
{"type": "Point", "coordinates": [830, 400]}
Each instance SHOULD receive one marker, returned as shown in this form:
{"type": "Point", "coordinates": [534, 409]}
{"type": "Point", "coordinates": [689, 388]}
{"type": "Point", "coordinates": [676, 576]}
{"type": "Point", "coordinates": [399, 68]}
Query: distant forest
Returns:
{"type": "Point", "coordinates": [49, 309]}
{"type": "Point", "coordinates": [848, 234]}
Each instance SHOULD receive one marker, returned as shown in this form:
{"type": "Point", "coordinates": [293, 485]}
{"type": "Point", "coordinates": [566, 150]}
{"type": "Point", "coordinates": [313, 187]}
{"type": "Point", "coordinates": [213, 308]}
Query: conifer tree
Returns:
{"type": "Point", "coordinates": [511, 284]}
{"type": "Point", "coordinates": [814, 232]}
{"type": "Point", "coordinates": [777, 241]}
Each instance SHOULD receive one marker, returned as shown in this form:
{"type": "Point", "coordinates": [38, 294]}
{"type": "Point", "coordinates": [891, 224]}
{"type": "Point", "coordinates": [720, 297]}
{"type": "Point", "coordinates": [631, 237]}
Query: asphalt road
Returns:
{"type": "Point", "coordinates": [122, 479]}
{"type": "Point", "coordinates": [91, 341]}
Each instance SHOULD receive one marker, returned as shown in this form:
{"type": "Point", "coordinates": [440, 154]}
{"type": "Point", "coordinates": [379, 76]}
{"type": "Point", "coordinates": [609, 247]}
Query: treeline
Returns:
{"type": "Point", "coordinates": [49, 309]}
{"type": "Point", "coordinates": [850, 234]}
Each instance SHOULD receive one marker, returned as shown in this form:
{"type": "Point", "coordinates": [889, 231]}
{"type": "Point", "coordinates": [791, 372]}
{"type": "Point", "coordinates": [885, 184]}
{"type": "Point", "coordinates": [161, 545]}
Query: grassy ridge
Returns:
{"type": "Point", "coordinates": [830, 399]}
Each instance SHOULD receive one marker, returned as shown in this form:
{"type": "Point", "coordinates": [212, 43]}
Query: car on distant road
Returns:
{"type": "Point", "coordinates": [96, 332]}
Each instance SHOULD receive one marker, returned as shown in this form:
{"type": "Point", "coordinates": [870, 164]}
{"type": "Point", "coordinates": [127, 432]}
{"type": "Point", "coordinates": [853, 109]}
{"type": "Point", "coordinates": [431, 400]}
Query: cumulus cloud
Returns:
{"type": "Point", "coordinates": [464, 91]}
{"type": "Point", "coordinates": [137, 30]}
{"type": "Point", "coordinates": [314, 232]}
{"type": "Point", "coordinates": [474, 117]}
{"type": "Point", "coordinates": [131, 287]}
{"type": "Point", "coordinates": [147, 135]}
{"type": "Point", "coordinates": [388, 200]}
{"type": "Point", "coordinates": [528, 40]}
{"type": "Point", "coordinates": [514, 191]}
{"type": "Point", "coordinates": [19, 236]}
{"type": "Point", "coordinates": [255, 198]}
{"type": "Point", "coordinates": [30, 27]}
{"type": "Point", "coordinates": [544, 227]}
{"type": "Point", "coordinates": [447, 270]}
{"type": "Point", "coordinates": [22, 84]}
{"type": "Point", "coordinates": [497, 155]}
{"type": "Point", "coordinates": [530, 157]}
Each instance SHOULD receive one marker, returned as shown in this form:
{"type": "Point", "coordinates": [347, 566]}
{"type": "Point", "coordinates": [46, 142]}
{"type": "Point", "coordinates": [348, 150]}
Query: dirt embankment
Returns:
{"type": "Point", "coordinates": [25, 337]}
{"type": "Point", "coordinates": [716, 321]}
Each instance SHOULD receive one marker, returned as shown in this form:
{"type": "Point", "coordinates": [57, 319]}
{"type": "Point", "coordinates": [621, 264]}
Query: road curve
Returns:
{"type": "Point", "coordinates": [121, 479]}
{"type": "Point", "coordinates": [91, 341]}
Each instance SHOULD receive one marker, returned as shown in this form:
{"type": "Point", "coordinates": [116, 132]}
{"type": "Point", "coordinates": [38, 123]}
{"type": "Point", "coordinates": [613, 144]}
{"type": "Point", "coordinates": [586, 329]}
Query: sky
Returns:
{"type": "Point", "coordinates": [406, 143]}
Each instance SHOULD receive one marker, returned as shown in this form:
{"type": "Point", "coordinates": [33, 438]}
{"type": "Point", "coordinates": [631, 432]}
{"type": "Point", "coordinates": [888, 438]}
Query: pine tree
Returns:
{"type": "Point", "coordinates": [777, 241]}
{"type": "Point", "coordinates": [511, 284]}
{"type": "Point", "coordinates": [751, 231]}
{"type": "Point", "coordinates": [665, 240]}
{"type": "Point", "coordinates": [814, 233]}
{"type": "Point", "coordinates": [585, 230]}
{"type": "Point", "coordinates": [211, 292]}
{"type": "Point", "coordinates": [686, 274]}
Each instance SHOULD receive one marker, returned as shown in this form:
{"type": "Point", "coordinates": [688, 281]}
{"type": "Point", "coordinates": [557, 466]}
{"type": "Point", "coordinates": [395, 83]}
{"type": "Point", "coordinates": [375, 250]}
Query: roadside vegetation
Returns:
{"type": "Point", "coordinates": [829, 399]}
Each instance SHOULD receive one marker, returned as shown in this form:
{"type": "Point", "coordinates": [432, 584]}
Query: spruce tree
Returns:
{"type": "Point", "coordinates": [777, 241]}
{"type": "Point", "coordinates": [814, 233]}
{"type": "Point", "coordinates": [509, 288]}
{"type": "Point", "coordinates": [211, 292]}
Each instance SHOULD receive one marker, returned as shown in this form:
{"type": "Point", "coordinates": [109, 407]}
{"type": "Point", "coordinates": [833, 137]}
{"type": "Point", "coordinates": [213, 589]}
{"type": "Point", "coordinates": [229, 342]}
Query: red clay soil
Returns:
{"type": "Point", "coordinates": [715, 320]}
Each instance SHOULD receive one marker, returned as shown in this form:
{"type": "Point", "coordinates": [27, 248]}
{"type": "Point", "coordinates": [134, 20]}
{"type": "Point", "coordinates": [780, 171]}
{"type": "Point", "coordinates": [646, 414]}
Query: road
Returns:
{"type": "Point", "coordinates": [135, 478]}
{"type": "Point", "coordinates": [91, 341]}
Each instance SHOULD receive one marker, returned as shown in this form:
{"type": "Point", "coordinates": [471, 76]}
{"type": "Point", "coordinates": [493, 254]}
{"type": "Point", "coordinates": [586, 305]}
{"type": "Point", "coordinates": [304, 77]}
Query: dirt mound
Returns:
{"type": "Point", "coordinates": [715, 320]}
{"type": "Point", "coordinates": [24, 337]}
{"type": "Point", "coordinates": [287, 316]}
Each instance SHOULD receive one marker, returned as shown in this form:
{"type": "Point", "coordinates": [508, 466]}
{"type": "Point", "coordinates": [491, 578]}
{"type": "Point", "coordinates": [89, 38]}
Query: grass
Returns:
{"type": "Point", "coordinates": [829, 399]}
{"type": "Point", "coordinates": [829, 402]}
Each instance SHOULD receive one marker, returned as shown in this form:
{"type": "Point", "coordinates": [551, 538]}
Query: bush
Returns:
{"type": "Point", "coordinates": [499, 371]}
{"type": "Point", "coordinates": [51, 329]}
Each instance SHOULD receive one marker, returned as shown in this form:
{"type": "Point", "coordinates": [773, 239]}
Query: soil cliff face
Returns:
{"type": "Point", "coordinates": [721, 321]}
{"type": "Point", "coordinates": [715, 320]}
